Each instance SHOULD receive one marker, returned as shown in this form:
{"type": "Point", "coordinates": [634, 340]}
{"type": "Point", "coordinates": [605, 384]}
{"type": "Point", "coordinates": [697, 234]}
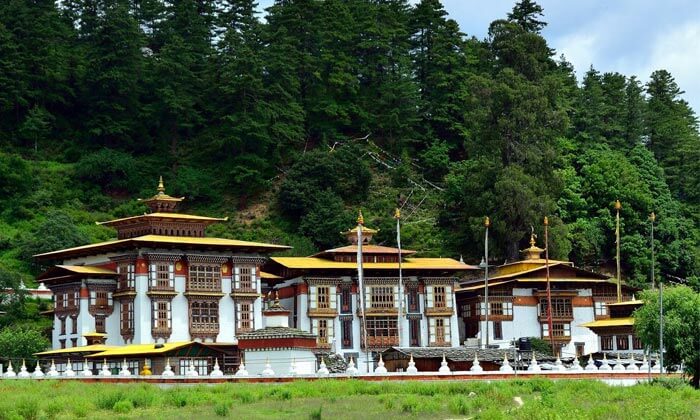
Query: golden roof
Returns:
{"type": "Point", "coordinates": [366, 249]}
{"type": "Point", "coordinates": [365, 229]}
{"type": "Point", "coordinates": [93, 348]}
{"type": "Point", "coordinates": [161, 195]}
{"type": "Point", "coordinates": [162, 239]}
{"type": "Point", "coordinates": [626, 303]}
{"type": "Point", "coordinates": [409, 264]}
{"type": "Point", "coordinates": [141, 349]}
{"type": "Point", "coordinates": [269, 276]}
{"type": "Point", "coordinates": [612, 322]}
{"type": "Point", "coordinates": [86, 269]}
{"type": "Point", "coordinates": [164, 215]}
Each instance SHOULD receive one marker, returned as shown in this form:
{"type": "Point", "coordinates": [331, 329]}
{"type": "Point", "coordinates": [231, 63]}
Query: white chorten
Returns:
{"type": "Point", "coordinates": [558, 365]}
{"type": "Point", "coordinates": [576, 365]}
{"type": "Point", "coordinates": [506, 367]}
{"type": "Point", "coordinates": [38, 373]}
{"type": "Point", "coordinates": [105, 369]}
{"type": "Point", "coordinates": [380, 369]}
{"type": "Point", "coordinates": [52, 370]}
{"type": "Point", "coordinates": [604, 363]}
{"type": "Point", "coordinates": [591, 366]}
{"type": "Point", "coordinates": [216, 372]}
{"type": "Point", "coordinates": [632, 367]}
{"type": "Point", "coordinates": [241, 372]}
{"type": "Point", "coordinates": [411, 366]}
{"type": "Point", "coordinates": [23, 371]}
{"type": "Point", "coordinates": [645, 364]}
{"type": "Point", "coordinates": [86, 369]}
{"type": "Point", "coordinates": [191, 371]}
{"type": "Point", "coordinates": [125, 369]}
{"type": "Point", "coordinates": [476, 366]}
{"type": "Point", "coordinates": [268, 369]}
{"type": "Point", "coordinates": [534, 366]}
{"type": "Point", "coordinates": [618, 364]}
{"type": "Point", "coordinates": [443, 366]}
{"type": "Point", "coordinates": [10, 372]}
{"type": "Point", "coordinates": [69, 372]}
{"type": "Point", "coordinates": [292, 368]}
{"type": "Point", "coordinates": [167, 370]}
{"type": "Point", "coordinates": [351, 369]}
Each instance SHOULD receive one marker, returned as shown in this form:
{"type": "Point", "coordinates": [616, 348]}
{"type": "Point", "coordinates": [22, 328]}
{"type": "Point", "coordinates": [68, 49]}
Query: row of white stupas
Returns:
{"type": "Point", "coordinates": [323, 369]}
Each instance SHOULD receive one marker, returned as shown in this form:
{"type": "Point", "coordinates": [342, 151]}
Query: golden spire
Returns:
{"type": "Point", "coordinates": [397, 213]}
{"type": "Point", "coordinates": [532, 236]}
{"type": "Point", "coordinates": [360, 219]}
{"type": "Point", "coordinates": [487, 221]}
{"type": "Point", "coordinates": [161, 187]}
{"type": "Point", "coordinates": [546, 221]}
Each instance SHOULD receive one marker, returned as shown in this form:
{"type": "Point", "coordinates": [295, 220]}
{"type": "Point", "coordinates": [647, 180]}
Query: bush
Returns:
{"type": "Point", "coordinates": [316, 414]}
{"type": "Point", "coordinates": [123, 406]}
{"type": "Point", "coordinates": [111, 170]}
{"type": "Point", "coordinates": [221, 409]}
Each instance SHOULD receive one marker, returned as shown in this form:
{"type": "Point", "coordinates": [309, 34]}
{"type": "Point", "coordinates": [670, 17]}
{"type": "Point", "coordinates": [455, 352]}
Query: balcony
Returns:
{"type": "Point", "coordinates": [439, 311]}
{"type": "Point", "coordinates": [323, 312]}
{"type": "Point", "coordinates": [244, 291]}
{"type": "Point", "coordinates": [381, 341]}
{"type": "Point", "coordinates": [380, 312]}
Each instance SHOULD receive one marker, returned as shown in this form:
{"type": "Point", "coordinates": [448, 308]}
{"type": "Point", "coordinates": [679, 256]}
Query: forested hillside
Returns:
{"type": "Point", "coordinates": [291, 119]}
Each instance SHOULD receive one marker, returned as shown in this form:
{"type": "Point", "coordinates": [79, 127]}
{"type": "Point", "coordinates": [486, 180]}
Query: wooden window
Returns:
{"type": "Point", "coordinates": [346, 338]}
{"type": "Point", "coordinates": [201, 365]}
{"type": "Point", "coordinates": [245, 277]}
{"type": "Point", "coordinates": [59, 301]}
{"type": "Point", "coordinates": [559, 329]}
{"type": "Point", "coordinates": [600, 308]}
{"type": "Point", "coordinates": [414, 332]}
{"type": "Point", "coordinates": [63, 343]}
{"type": "Point", "coordinates": [100, 324]}
{"type": "Point", "coordinates": [382, 297]}
{"type": "Point", "coordinates": [623, 342]}
{"type": "Point", "coordinates": [204, 277]}
{"type": "Point", "coordinates": [127, 276]}
{"type": "Point", "coordinates": [439, 297]}
{"type": "Point", "coordinates": [346, 300]}
{"type": "Point", "coordinates": [497, 330]}
{"type": "Point", "coordinates": [69, 300]}
{"type": "Point", "coordinates": [74, 324]}
{"type": "Point", "coordinates": [439, 331]}
{"type": "Point", "coordinates": [162, 317]}
{"type": "Point", "coordinates": [381, 327]}
{"type": "Point", "coordinates": [561, 308]}
{"type": "Point", "coordinates": [606, 342]}
{"type": "Point", "coordinates": [496, 308]}
{"type": "Point", "coordinates": [74, 342]}
{"type": "Point", "coordinates": [245, 317]}
{"type": "Point", "coordinates": [323, 297]}
{"type": "Point", "coordinates": [126, 318]}
{"type": "Point", "coordinates": [637, 343]}
{"type": "Point", "coordinates": [101, 299]}
{"type": "Point", "coordinates": [413, 305]}
{"type": "Point", "coordinates": [162, 275]}
{"type": "Point", "coordinates": [63, 325]}
{"type": "Point", "coordinates": [323, 328]}
{"type": "Point", "coordinates": [204, 317]}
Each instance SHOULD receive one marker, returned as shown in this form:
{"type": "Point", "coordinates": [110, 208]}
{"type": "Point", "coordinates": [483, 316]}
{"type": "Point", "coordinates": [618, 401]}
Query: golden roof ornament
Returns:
{"type": "Point", "coordinates": [161, 187]}
{"type": "Point", "coordinates": [162, 202]}
{"type": "Point", "coordinates": [487, 221]}
{"type": "Point", "coordinates": [618, 206]}
{"type": "Point", "coordinates": [397, 213]}
{"type": "Point", "coordinates": [360, 219]}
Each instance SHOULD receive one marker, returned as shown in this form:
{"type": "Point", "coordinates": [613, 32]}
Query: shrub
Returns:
{"type": "Point", "coordinates": [410, 405]}
{"type": "Point", "coordinates": [316, 414]}
{"type": "Point", "coordinates": [221, 409]}
{"type": "Point", "coordinates": [107, 399]}
{"type": "Point", "coordinates": [123, 406]}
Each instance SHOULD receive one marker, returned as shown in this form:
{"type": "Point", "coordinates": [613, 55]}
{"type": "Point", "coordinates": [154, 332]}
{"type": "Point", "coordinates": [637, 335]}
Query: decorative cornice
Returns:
{"type": "Point", "coordinates": [323, 281]}
{"type": "Point", "coordinates": [161, 256]}
{"type": "Point", "coordinates": [447, 281]}
{"type": "Point", "coordinates": [248, 260]}
{"type": "Point", "coordinates": [101, 284]}
{"type": "Point", "coordinates": [194, 294]}
{"type": "Point", "coordinates": [129, 257]}
{"type": "Point", "coordinates": [162, 293]}
{"type": "Point", "coordinates": [206, 259]}
{"type": "Point", "coordinates": [126, 295]}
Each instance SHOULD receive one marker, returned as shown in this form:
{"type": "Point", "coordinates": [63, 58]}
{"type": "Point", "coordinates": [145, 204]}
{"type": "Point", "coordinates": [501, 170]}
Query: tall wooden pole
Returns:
{"type": "Point", "coordinates": [397, 215]}
{"type": "Point", "coordinates": [360, 283]}
{"type": "Point", "coordinates": [487, 223]}
{"type": "Point", "coordinates": [618, 206]}
{"type": "Point", "coordinates": [549, 289]}
{"type": "Point", "coordinates": [652, 218]}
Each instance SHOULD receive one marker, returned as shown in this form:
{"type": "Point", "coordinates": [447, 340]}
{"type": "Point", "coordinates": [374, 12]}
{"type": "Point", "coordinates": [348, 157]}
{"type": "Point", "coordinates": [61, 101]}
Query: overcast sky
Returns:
{"type": "Point", "coordinates": [633, 37]}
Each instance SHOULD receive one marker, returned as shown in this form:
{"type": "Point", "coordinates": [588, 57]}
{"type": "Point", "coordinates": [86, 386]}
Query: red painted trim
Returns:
{"type": "Point", "coordinates": [141, 266]}
{"type": "Point", "coordinates": [272, 343]}
{"type": "Point", "coordinates": [582, 301]}
{"type": "Point", "coordinates": [183, 268]}
{"type": "Point", "coordinates": [286, 292]}
{"type": "Point", "coordinates": [84, 292]}
{"type": "Point", "coordinates": [302, 289]}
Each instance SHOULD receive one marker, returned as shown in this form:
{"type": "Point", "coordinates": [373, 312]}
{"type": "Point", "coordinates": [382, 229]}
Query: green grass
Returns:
{"type": "Point", "coordinates": [332, 399]}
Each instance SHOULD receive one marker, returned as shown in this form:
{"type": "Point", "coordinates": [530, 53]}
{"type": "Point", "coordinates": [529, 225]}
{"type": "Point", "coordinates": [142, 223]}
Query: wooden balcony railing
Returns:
{"type": "Point", "coordinates": [381, 341]}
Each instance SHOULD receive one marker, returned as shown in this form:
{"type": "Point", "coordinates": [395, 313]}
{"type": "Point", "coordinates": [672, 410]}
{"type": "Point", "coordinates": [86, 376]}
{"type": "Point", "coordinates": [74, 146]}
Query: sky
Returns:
{"type": "Point", "coordinates": [632, 37]}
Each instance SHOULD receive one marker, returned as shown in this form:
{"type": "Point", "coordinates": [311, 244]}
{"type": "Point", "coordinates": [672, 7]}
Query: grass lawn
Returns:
{"type": "Point", "coordinates": [352, 399]}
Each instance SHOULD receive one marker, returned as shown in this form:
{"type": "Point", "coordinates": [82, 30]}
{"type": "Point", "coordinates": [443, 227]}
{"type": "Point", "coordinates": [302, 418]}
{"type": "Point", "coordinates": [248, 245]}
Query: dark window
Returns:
{"type": "Point", "coordinates": [413, 299]}
{"type": "Point", "coordinates": [561, 308]}
{"type": "Point", "coordinates": [606, 342]}
{"type": "Point", "coordinates": [623, 342]}
{"type": "Point", "coordinates": [74, 324]}
{"type": "Point", "coordinates": [63, 326]}
{"type": "Point", "coordinates": [637, 343]}
{"type": "Point", "coordinates": [74, 342]}
{"type": "Point", "coordinates": [100, 324]}
{"type": "Point", "coordinates": [204, 277]}
{"type": "Point", "coordinates": [414, 332]}
{"type": "Point", "coordinates": [63, 343]}
{"type": "Point", "coordinates": [346, 300]}
{"type": "Point", "coordinates": [347, 333]}
{"type": "Point", "coordinates": [497, 331]}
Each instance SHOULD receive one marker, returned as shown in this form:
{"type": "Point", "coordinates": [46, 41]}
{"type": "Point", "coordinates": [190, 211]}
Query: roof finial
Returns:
{"type": "Point", "coordinates": [161, 187]}
{"type": "Point", "coordinates": [277, 298]}
{"type": "Point", "coordinates": [397, 213]}
{"type": "Point", "coordinates": [360, 219]}
{"type": "Point", "coordinates": [532, 235]}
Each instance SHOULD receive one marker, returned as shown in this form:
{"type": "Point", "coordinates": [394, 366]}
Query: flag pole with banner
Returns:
{"type": "Point", "coordinates": [397, 215]}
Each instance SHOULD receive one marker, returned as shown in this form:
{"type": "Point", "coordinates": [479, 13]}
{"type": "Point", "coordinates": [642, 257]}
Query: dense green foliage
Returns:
{"type": "Point", "coordinates": [351, 399]}
{"type": "Point", "coordinates": [291, 123]}
{"type": "Point", "coordinates": [681, 309]}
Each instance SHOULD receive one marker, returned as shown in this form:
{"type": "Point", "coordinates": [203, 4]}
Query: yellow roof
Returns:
{"type": "Point", "coordinates": [167, 240]}
{"type": "Point", "coordinates": [612, 322]}
{"type": "Point", "coordinates": [166, 216]}
{"type": "Point", "coordinates": [628, 302]}
{"type": "Point", "coordinates": [93, 348]}
{"type": "Point", "coordinates": [365, 229]}
{"type": "Point", "coordinates": [482, 286]}
{"type": "Point", "coordinates": [269, 276]}
{"type": "Point", "coordinates": [86, 269]}
{"type": "Point", "coordinates": [94, 334]}
{"type": "Point", "coordinates": [139, 349]}
{"type": "Point", "coordinates": [409, 264]}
